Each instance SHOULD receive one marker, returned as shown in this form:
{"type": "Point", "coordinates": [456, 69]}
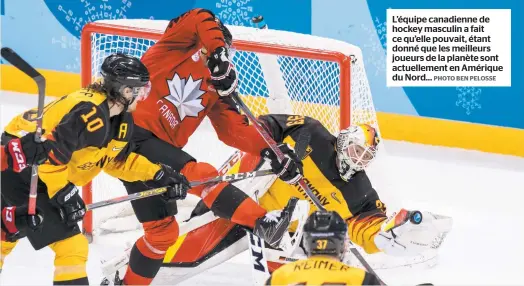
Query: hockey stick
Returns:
{"type": "Point", "coordinates": [280, 156]}
{"type": "Point", "coordinates": [273, 145]}
{"type": "Point", "coordinates": [153, 192]}
{"type": "Point", "coordinates": [17, 61]}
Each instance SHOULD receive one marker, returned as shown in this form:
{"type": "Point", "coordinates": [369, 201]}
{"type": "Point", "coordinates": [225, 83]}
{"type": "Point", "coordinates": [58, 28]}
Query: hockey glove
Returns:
{"type": "Point", "coordinates": [176, 183]}
{"type": "Point", "coordinates": [290, 169]}
{"type": "Point", "coordinates": [409, 233]}
{"type": "Point", "coordinates": [16, 222]}
{"type": "Point", "coordinates": [71, 206]}
{"type": "Point", "coordinates": [223, 73]}
{"type": "Point", "coordinates": [23, 152]}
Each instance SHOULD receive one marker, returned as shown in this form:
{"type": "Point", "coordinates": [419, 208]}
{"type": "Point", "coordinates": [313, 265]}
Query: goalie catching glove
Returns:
{"type": "Point", "coordinates": [223, 73]}
{"type": "Point", "coordinates": [16, 222]}
{"type": "Point", "coordinates": [175, 183]}
{"type": "Point", "coordinates": [290, 169]}
{"type": "Point", "coordinates": [409, 233]}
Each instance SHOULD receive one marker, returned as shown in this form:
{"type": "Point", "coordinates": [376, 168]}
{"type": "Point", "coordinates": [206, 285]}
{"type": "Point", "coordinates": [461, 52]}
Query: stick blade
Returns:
{"type": "Point", "coordinates": [12, 57]}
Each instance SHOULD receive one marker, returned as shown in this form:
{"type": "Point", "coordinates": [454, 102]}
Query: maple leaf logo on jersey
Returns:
{"type": "Point", "coordinates": [185, 95]}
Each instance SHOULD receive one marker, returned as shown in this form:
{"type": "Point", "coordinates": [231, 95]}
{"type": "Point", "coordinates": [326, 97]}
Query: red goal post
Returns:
{"type": "Point", "coordinates": [317, 75]}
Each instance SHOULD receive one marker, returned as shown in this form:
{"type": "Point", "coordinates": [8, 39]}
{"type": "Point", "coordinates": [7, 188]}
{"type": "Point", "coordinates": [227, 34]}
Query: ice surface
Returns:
{"type": "Point", "coordinates": [482, 192]}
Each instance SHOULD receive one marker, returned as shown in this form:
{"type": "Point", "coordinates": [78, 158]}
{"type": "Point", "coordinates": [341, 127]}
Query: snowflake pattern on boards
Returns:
{"type": "Point", "coordinates": [235, 12]}
{"type": "Point", "coordinates": [381, 27]}
{"type": "Point", "coordinates": [468, 98]}
{"type": "Point", "coordinates": [69, 42]}
{"type": "Point", "coordinates": [96, 11]}
{"type": "Point", "coordinates": [376, 54]}
{"type": "Point", "coordinates": [92, 10]}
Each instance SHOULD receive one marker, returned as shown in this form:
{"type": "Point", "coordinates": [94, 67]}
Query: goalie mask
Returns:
{"type": "Point", "coordinates": [356, 149]}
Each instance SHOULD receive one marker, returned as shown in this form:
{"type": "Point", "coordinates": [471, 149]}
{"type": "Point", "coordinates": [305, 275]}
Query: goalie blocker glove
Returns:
{"type": "Point", "coordinates": [71, 206]}
{"type": "Point", "coordinates": [223, 73]}
{"type": "Point", "coordinates": [16, 222]}
{"type": "Point", "coordinates": [290, 169]}
{"type": "Point", "coordinates": [272, 227]}
{"type": "Point", "coordinates": [176, 184]}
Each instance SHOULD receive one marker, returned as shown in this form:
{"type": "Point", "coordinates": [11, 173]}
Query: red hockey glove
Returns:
{"type": "Point", "coordinates": [176, 183]}
{"type": "Point", "coordinates": [290, 169]}
{"type": "Point", "coordinates": [223, 73]}
{"type": "Point", "coordinates": [23, 152]}
{"type": "Point", "coordinates": [16, 222]}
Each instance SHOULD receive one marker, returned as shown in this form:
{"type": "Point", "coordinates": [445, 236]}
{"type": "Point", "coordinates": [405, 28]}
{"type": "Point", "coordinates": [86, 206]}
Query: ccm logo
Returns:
{"type": "Point", "coordinates": [19, 156]}
{"type": "Point", "coordinates": [256, 252]}
{"type": "Point", "coordinates": [239, 176]}
{"type": "Point", "coordinates": [9, 214]}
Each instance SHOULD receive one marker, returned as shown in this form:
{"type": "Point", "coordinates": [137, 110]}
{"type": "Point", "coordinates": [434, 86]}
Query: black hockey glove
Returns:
{"type": "Point", "coordinates": [71, 206]}
{"type": "Point", "coordinates": [16, 222]}
{"type": "Point", "coordinates": [223, 73]}
{"type": "Point", "coordinates": [23, 152]}
{"type": "Point", "coordinates": [290, 170]}
{"type": "Point", "coordinates": [176, 183]}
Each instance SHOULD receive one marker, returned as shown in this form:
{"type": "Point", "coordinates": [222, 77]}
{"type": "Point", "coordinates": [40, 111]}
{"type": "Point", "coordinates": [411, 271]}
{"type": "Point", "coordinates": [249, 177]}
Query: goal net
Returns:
{"type": "Point", "coordinates": [279, 72]}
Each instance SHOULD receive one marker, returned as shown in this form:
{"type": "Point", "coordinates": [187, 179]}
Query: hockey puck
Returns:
{"type": "Point", "coordinates": [257, 19]}
{"type": "Point", "coordinates": [416, 217]}
{"type": "Point", "coordinates": [258, 22]}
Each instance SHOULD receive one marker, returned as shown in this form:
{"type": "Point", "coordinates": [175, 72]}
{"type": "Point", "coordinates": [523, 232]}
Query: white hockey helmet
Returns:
{"type": "Point", "coordinates": [356, 149]}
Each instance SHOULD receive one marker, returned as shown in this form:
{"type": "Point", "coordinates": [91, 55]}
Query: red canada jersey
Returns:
{"type": "Point", "coordinates": [181, 95]}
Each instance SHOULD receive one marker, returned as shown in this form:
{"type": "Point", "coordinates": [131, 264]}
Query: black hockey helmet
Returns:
{"type": "Point", "coordinates": [120, 70]}
{"type": "Point", "coordinates": [325, 234]}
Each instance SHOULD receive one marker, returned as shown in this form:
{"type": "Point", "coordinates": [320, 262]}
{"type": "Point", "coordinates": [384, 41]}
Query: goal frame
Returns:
{"type": "Point", "coordinates": [344, 62]}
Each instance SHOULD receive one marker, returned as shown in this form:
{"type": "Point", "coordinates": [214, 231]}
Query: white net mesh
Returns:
{"type": "Point", "coordinates": [268, 83]}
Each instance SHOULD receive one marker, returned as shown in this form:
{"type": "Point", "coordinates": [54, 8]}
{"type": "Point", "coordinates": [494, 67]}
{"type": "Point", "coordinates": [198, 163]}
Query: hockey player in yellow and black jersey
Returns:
{"type": "Point", "coordinates": [324, 240]}
{"type": "Point", "coordinates": [85, 132]}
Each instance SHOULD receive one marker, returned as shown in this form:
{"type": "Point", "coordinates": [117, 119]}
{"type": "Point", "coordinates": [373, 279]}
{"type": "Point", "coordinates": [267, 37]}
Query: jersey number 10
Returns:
{"type": "Point", "coordinates": [92, 124]}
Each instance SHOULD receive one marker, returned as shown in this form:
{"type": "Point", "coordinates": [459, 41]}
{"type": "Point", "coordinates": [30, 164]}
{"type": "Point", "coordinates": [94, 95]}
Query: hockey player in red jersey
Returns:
{"type": "Point", "coordinates": [192, 77]}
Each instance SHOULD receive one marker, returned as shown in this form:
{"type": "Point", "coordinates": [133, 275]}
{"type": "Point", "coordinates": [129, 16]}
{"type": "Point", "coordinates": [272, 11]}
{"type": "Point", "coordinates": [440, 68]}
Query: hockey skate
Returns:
{"type": "Point", "coordinates": [272, 227]}
{"type": "Point", "coordinates": [116, 280]}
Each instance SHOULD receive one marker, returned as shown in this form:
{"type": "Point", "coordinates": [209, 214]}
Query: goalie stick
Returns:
{"type": "Point", "coordinates": [17, 61]}
{"type": "Point", "coordinates": [153, 192]}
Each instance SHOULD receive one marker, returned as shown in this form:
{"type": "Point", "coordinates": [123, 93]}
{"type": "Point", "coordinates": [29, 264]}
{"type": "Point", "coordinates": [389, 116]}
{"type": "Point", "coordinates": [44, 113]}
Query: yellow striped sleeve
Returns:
{"type": "Point", "coordinates": [363, 228]}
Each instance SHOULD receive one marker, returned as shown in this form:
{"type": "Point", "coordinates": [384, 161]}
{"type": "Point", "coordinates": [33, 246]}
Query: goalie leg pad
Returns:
{"type": "Point", "coordinates": [149, 250]}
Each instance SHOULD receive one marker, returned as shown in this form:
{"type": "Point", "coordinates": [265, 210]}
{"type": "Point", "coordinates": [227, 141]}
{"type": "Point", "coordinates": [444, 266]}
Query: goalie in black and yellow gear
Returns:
{"type": "Point", "coordinates": [335, 170]}
{"type": "Point", "coordinates": [324, 239]}
{"type": "Point", "coordinates": [84, 133]}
